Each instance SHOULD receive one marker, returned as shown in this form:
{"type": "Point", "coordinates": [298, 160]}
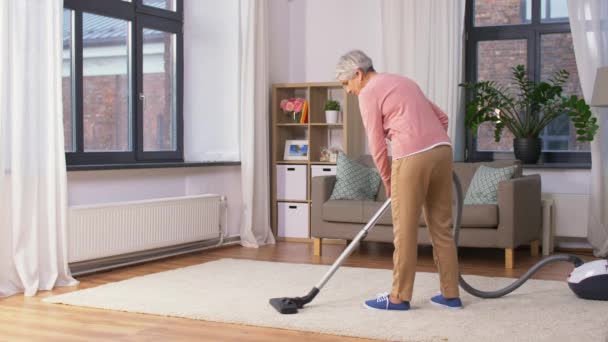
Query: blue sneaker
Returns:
{"type": "Point", "coordinates": [381, 302]}
{"type": "Point", "coordinates": [450, 303]}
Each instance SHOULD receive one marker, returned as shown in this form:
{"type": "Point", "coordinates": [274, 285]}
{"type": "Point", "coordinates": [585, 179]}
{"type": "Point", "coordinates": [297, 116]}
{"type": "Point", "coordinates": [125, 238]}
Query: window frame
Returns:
{"type": "Point", "coordinates": [532, 32]}
{"type": "Point", "coordinates": [179, 125]}
{"type": "Point", "coordinates": [138, 16]}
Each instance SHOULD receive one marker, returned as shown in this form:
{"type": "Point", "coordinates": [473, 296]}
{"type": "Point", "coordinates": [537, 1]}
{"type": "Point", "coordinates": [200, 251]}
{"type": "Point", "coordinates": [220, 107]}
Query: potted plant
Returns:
{"type": "Point", "coordinates": [528, 112]}
{"type": "Point", "coordinates": [293, 108]}
{"type": "Point", "coordinates": [332, 109]}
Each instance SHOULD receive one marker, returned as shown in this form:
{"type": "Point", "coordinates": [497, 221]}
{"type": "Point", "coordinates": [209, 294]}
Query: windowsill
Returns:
{"type": "Point", "coordinates": [547, 160]}
{"type": "Point", "coordinates": [562, 166]}
{"type": "Point", "coordinates": [148, 165]}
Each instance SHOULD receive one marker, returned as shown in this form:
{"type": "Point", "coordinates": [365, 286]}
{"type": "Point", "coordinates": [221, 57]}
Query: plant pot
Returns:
{"type": "Point", "coordinates": [295, 117]}
{"type": "Point", "coordinates": [527, 149]}
{"type": "Point", "coordinates": [331, 116]}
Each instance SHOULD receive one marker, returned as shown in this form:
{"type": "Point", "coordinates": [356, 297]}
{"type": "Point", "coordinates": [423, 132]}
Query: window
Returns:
{"type": "Point", "coordinates": [164, 4]}
{"type": "Point", "coordinates": [535, 33]}
{"type": "Point", "coordinates": [122, 81]}
{"type": "Point", "coordinates": [106, 91]}
{"type": "Point", "coordinates": [159, 105]}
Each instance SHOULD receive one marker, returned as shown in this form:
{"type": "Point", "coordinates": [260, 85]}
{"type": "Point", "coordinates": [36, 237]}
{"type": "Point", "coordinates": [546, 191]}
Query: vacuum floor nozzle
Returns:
{"type": "Point", "coordinates": [290, 305]}
{"type": "Point", "coordinates": [284, 305]}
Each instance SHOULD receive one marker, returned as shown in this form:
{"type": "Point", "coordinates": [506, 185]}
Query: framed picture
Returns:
{"type": "Point", "coordinates": [296, 150]}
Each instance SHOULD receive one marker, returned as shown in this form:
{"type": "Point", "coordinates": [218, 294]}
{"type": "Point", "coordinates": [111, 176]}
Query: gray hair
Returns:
{"type": "Point", "coordinates": [352, 61]}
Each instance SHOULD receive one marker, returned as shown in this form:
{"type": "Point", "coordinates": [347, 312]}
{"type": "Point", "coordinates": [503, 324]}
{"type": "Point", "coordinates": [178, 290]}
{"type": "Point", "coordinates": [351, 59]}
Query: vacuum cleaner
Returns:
{"type": "Point", "coordinates": [587, 280]}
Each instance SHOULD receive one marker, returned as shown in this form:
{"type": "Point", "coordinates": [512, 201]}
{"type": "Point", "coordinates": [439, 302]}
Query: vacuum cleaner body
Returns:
{"type": "Point", "coordinates": [590, 280]}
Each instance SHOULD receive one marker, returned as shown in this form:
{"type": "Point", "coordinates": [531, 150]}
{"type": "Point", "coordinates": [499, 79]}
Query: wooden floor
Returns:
{"type": "Point", "coordinates": [29, 319]}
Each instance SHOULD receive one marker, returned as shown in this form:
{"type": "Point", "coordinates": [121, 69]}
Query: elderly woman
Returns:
{"type": "Point", "coordinates": [419, 178]}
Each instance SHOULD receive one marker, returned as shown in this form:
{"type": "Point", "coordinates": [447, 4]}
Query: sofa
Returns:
{"type": "Point", "coordinates": [514, 221]}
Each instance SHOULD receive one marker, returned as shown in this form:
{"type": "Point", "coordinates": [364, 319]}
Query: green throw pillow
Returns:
{"type": "Point", "coordinates": [484, 186]}
{"type": "Point", "coordinates": [355, 181]}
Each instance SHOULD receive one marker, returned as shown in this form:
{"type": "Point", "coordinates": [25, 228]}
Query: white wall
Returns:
{"type": "Point", "coordinates": [308, 36]}
{"type": "Point", "coordinates": [95, 187]}
{"type": "Point", "coordinates": [210, 122]}
{"type": "Point", "coordinates": [278, 41]}
{"type": "Point", "coordinates": [570, 191]}
{"type": "Point", "coordinates": [320, 31]}
{"type": "Point", "coordinates": [337, 26]}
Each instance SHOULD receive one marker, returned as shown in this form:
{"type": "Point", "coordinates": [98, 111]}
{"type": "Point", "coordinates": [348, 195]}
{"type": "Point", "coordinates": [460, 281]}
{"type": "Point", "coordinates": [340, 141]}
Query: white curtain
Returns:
{"type": "Point", "coordinates": [255, 222]}
{"type": "Point", "coordinates": [589, 25]}
{"type": "Point", "coordinates": [424, 40]}
{"type": "Point", "coordinates": [33, 201]}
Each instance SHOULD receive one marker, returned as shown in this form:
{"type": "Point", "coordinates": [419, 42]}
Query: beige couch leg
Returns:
{"type": "Point", "coordinates": [509, 258]}
{"type": "Point", "coordinates": [534, 248]}
{"type": "Point", "coordinates": [317, 246]}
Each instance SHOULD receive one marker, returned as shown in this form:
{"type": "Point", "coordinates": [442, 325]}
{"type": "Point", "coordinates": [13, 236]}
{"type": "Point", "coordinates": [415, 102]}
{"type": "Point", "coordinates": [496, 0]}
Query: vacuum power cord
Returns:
{"type": "Point", "coordinates": [513, 286]}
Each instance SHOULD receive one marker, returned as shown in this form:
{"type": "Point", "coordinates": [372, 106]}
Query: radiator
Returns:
{"type": "Point", "coordinates": [105, 230]}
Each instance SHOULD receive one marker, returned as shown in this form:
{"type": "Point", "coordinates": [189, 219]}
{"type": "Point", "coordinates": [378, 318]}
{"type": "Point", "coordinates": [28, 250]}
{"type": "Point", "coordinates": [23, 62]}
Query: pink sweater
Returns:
{"type": "Point", "coordinates": [394, 107]}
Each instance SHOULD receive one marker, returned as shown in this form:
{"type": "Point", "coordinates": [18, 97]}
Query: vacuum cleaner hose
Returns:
{"type": "Point", "coordinates": [512, 287]}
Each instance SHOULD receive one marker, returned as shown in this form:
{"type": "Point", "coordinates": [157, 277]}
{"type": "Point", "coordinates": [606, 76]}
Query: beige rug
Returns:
{"type": "Point", "coordinates": [237, 291]}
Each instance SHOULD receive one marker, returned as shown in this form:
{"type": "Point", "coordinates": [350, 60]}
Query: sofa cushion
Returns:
{"type": "Point", "coordinates": [370, 208]}
{"type": "Point", "coordinates": [366, 159]}
{"type": "Point", "coordinates": [355, 181]}
{"type": "Point", "coordinates": [466, 171]}
{"type": "Point", "coordinates": [480, 216]}
{"type": "Point", "coordinates": [484, 186]}
{"type": "Point", "coordinates": [473, 216]}
{"type": "Point", "coordinates": [343, 211]}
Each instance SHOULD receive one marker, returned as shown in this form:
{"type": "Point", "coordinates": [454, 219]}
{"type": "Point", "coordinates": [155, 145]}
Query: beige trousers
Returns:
{"type": "Point", "coordinates": [423, 182]}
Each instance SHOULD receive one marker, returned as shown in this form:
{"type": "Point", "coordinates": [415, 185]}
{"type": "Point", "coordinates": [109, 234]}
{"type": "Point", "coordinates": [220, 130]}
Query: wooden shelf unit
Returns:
{"type": "Point", "coordinates": [348, 134]}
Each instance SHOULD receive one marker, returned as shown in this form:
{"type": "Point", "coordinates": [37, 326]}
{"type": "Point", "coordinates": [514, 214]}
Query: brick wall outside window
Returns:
{"type": "Point", "coordinates": [104, 128]}
{"type": "Point", "coordinates": [496, 58]}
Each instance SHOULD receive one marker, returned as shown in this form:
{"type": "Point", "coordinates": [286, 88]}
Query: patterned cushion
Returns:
{"type": "Point", "coordinates": [484, 185]}
{"type": "Point", "coordinates": [355, 181]}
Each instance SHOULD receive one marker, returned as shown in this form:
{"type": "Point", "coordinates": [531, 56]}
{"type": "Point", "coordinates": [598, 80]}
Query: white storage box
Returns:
{"type": "Point", "coordinates": [292, 182]}
{"type": "Point", "coordinates": [322, 170]}
{"type": "Point", "coordinates": [293, 219]}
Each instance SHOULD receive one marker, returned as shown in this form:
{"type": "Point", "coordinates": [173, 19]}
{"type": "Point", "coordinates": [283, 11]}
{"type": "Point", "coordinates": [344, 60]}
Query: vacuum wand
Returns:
{"type": "Point", "coordinates": [287, 305]}
{"type": "Point", "coordinates": [348, 251]}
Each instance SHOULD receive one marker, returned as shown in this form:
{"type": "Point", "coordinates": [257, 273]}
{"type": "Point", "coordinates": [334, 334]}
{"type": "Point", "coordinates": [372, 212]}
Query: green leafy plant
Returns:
{"type": "Point", "coordinates": [528, 112]}
{"type": "Point", "coordinates": [332, 105]}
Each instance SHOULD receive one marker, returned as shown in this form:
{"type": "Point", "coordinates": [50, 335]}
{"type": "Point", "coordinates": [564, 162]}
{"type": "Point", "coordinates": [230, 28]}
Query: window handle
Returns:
{"type": "Point", "coordinates": [142, 98]}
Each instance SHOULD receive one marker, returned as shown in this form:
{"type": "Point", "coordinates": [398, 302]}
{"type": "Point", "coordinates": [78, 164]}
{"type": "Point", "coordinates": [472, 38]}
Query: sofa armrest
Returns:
{"type": "Point", "coordinates": [519, 210]}
{"type": "Point", "coordinates": [321, 189]}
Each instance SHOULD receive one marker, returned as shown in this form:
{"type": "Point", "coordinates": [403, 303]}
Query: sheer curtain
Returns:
{"type": "Point", "coordinates": [33, 200]}
{"type": "Point", "coordinates": [589, 25]}
{"type": "Point", "coordinates": [424, 40]}
{"type": "Point", "coordinates": [255, 223]}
